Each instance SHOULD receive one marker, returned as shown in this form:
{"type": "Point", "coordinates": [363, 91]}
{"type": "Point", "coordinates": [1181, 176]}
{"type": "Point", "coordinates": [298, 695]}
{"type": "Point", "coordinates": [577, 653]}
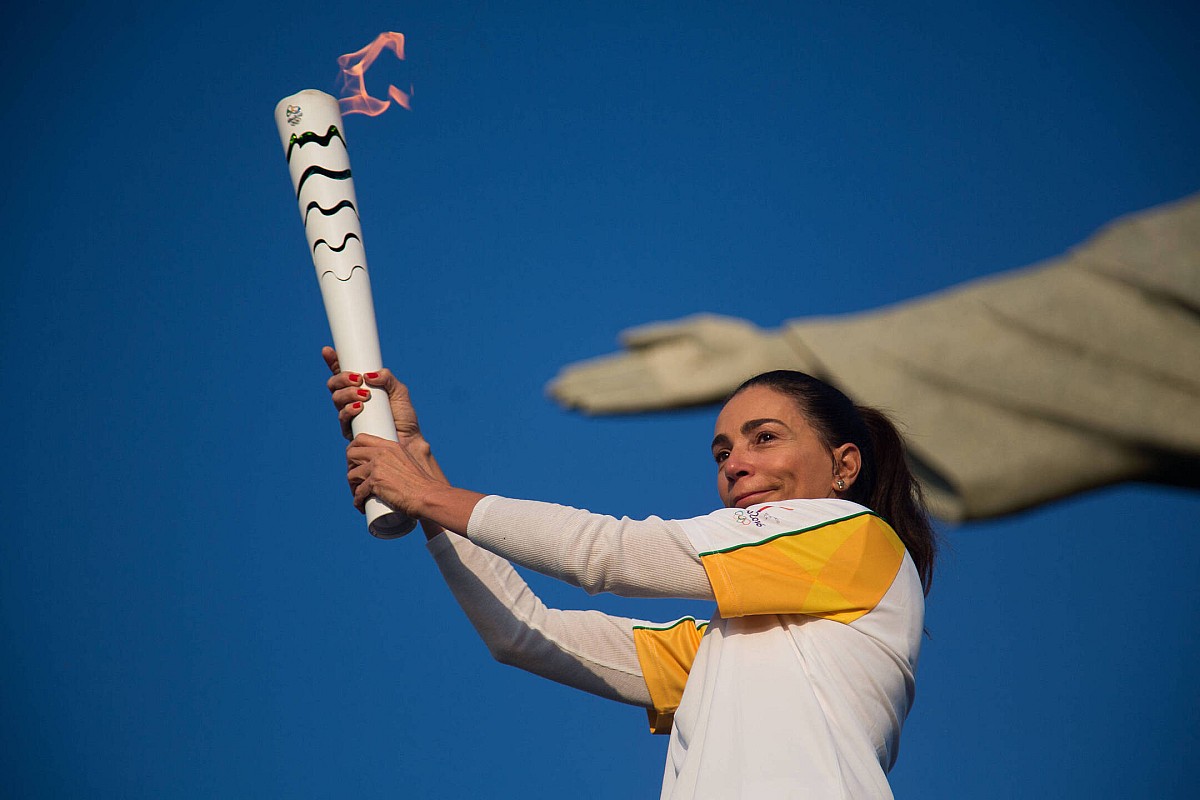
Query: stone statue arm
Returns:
{"type": "Point", "coordinates": [687, 362]}
{"type": "Point", "coordinates": [1013, 390]}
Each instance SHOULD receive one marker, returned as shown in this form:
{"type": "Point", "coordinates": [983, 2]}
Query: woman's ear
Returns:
{"type": "Point", "coordinates": [847, 462]}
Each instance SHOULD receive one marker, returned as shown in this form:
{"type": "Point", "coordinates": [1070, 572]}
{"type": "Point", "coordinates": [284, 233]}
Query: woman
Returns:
{"type": "Point", "coordinates": [801, 684]}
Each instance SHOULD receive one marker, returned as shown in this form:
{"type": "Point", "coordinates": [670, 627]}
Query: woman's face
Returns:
{"type": "Point", "coordinates": [766, 451]}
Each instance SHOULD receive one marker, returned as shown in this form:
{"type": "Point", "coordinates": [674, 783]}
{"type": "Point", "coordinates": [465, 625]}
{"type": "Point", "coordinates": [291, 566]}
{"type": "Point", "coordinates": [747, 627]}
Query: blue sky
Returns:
{"type": "Point", "coordinates": [190, 606]}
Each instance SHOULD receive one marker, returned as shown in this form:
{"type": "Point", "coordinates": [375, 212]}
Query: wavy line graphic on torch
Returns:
{"type": "Point", "coordinates": [348, 277]}
{"type": "Point", "coordinates": [317, 170]}
{"type": "Point", "coordinates": [340, 265]}
{"type": "Point", "coordinates": [340, 261]}
{"type": "Point", "coordinates": [308, 137]}
{"type": "Point", "coordinates": [328, 212]}
{"type": "Point", "coordinates": [340, 247]}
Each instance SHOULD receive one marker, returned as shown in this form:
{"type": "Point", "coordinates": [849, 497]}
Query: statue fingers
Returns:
{"type": "Point", "coordinates": [613, 384]}
{"type": "Point", "coordinates": [653, 334]}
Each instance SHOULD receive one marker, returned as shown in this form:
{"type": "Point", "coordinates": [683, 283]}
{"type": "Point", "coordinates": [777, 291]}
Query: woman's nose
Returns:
{"type": "Point", "coordinates": [735, 466]}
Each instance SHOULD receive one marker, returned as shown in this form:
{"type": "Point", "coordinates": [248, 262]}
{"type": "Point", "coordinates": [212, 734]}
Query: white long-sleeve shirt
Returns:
{"type": "Point", "coordinates": [797, 689]}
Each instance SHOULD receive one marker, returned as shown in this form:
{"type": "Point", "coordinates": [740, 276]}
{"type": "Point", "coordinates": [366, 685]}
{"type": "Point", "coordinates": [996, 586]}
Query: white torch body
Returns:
{"type": "Point", "coordinates": [310, 127]}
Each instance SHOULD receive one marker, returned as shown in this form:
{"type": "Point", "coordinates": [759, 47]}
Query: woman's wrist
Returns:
{"type": "Point", "coordinates": [447, 507]}
{"type": "Point", "coordinates": [416, 444]}
{"type": "Point", "coordinates": [422, 452]}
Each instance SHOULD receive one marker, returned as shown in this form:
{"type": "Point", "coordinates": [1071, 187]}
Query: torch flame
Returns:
{"type": "Point", "coordinates": [354, 99]}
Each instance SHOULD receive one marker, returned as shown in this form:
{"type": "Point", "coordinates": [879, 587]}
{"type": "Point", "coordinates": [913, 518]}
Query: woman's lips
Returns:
{"type": "Point", "coordinates": [748, 499]}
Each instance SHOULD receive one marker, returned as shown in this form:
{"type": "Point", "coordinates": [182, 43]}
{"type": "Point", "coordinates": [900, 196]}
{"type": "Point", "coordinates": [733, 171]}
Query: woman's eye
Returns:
{"type": "Point", "coordinates": [720, 456]}
{"type": "Point", "coordinates": [765, 437]}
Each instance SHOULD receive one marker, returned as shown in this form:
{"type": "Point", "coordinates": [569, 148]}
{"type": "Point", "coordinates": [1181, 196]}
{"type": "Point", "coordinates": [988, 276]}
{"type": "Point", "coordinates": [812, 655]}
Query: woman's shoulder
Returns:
{"type": "Point", "coordinates": [732, 527]}
{"type": "Point", "coordinates": [791, 512]}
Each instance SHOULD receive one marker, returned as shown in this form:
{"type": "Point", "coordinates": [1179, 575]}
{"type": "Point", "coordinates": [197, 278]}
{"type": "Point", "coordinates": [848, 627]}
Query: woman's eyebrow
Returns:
{"type": "Point", "coordinates": [750, 425]}
{"type": "Point", "coordinates": [721, 440]}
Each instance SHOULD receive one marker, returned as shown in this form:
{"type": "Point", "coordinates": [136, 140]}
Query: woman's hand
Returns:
{"type": "Point", "coordinates": [349, 393]}
{"type": "Point", "coordinates": [392, 471]}
{"type": "Point", "coordinates": [405, 475]}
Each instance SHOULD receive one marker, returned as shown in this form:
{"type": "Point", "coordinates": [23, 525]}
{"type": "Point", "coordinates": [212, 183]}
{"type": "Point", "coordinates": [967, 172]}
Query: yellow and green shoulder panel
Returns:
{"type": "Point", "coordinates": [838, 569]}
{"type": "Point", "coordinates": [666, 654]}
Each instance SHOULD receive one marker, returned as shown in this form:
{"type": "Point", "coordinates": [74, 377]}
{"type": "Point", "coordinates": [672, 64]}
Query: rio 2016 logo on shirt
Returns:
{"type": "Point", "coordinates": [757, 517]}
{"type": "Point", "coordinates": [749, 518]}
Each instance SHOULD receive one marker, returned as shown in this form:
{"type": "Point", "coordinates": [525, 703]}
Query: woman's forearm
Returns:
{"type": "Point", "coordinates": [636, 558]}
{"type": "Point", "coordinates": [448, 508]}
{"type": "Point", "coordinates": [633, 558]}
{"type": "Point", "coordinates": [587, 650]}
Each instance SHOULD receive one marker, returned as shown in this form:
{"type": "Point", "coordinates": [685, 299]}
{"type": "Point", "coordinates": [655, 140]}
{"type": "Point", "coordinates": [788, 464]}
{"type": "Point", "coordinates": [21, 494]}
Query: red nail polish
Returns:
{"type": "Point", "coordinates": [356, 405]}
{"type": "Point", "coordinates": [353, 376]}
{"type": "Point", "coordinates": [372, 375]}
{"type": "Point", "coordinates": [363, 393]}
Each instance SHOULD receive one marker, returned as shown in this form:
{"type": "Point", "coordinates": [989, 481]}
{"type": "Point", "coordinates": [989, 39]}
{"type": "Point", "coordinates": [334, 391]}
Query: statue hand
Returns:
{"type": "Point", "coordinates": [695, 360]}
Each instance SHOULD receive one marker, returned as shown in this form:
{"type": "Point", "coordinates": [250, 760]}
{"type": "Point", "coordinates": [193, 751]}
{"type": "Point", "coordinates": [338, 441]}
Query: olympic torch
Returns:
{"type": "Point", "coordinates": [311, 129]}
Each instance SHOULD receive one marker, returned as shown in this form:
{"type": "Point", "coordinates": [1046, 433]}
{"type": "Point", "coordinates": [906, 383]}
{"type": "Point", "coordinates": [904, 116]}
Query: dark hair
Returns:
{"type": "Point", "coordinates": [884, 483]}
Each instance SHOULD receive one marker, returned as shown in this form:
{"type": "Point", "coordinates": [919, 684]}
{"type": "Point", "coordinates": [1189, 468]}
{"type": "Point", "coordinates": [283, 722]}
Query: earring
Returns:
{"type": "Point", "coordinates": [841, 484]}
